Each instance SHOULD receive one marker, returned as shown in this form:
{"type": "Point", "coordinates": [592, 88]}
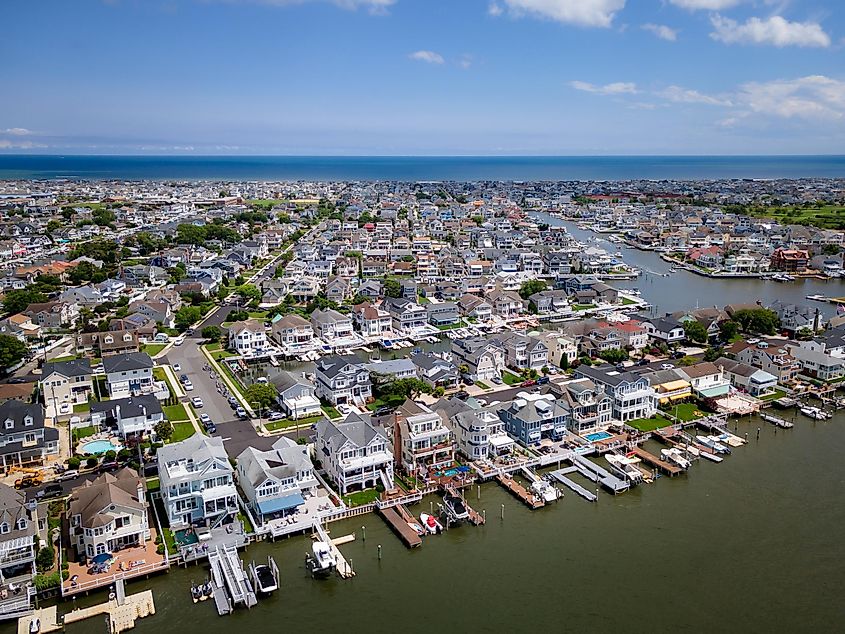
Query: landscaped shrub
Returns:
{"type": "Point", "coordinates": [74, 462]}
{"type": "Point", "coordinates": [91, 462]}
{"type": "Point", "coordinates": [45, 582]}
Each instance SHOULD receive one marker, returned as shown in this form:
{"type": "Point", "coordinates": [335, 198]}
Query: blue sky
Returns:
{"type": "Point", "coordinates": [411, 77]}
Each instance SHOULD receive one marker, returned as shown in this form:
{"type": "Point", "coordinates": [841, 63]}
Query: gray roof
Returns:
{"type": "Point", "coordinates": [74, 367]}
{"type": "Point", "coordinates": [12, 509]}
{"type": "Point", "coordinates": [16, 411]}
{"type": "Point", "coordinates": [132, 407]}
{"type": "Point", "coordinates": [355, 429]}
{"type": "Point", "coordinates": [332, 365]}
{"type": "Point", "coordinates": [127, 362]}
{"type": "Point", "coordinates": [284, 460]}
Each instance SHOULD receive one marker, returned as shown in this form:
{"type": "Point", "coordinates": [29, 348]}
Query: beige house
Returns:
{"type": "Point", "coordinates": [65, 384]}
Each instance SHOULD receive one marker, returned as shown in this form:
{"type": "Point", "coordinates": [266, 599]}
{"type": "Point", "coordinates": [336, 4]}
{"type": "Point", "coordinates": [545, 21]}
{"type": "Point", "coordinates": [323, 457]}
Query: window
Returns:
{"type": "Point", "coordinates": [4, 528]}
{"type": "Point", "coordinates": [10, 423]}
{"type": "Point", "coordinates": [22, 524]}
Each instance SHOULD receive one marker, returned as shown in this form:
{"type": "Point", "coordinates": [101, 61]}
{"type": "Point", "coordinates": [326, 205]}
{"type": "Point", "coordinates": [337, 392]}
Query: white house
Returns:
{"type": "Point", "coordinates": [354, 453]}
{"type": "Point", "coordinates": [128, 374]}
{"type": "Point", "coordinates": [247, 338]}
{"type": "Point", "coordinates": [133, 415]}
{"type": "Point", "coordinates": [296, 395]}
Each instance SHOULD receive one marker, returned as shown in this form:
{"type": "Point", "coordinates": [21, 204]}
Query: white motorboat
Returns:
{"type": "Point", "coordinates": [266, 581]}
{"type": "Point", "coordinates": [322, 560]}
{"type": "Point", "coordinates": [430, 523]}
{"type": "Point", "coordinates": [711, 456]}
{"type": "Point", "coordinates": [627, 465]}
{"type": "Point", "coordinates": [35, 626]}
{"type": "Point", "coordinates": [676, 457]}
{"type": "Point", "coordinates": [712, 443]}
{"type": "Point", "coordinates": [815, 413]}
{"type": "Point", "coordinates": [417, 528]}
{"type": "Point", "coordinates": [455, 508]}
{"type": "Point", "coordinates": [545, 491]}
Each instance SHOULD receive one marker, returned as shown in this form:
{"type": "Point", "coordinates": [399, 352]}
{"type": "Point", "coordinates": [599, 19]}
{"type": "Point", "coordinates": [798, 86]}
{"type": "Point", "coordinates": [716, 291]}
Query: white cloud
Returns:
{"type": "Point", "coordinates": [662, 31]}
{"type": "Point", "coordinates": [6, 144]}
{"type": "Point", "coordinates": [677, 94]}
{"type": "Point", "coordinates": [580, 12]}
{"type": "Point", "coordinates": [429, 57]}
{"type": "Point", "coordinates": [811, 97]}
{"type": "Point", "coordinates": [16, 131]}
{"type": "Point", "coordinates": [495, 9]}
{"type": "Point", "coordinates": [615, 88]}
{"type": "Point", "coordinates": [708, 5]}
{"type": "Point", "coordinates": [775, 30]}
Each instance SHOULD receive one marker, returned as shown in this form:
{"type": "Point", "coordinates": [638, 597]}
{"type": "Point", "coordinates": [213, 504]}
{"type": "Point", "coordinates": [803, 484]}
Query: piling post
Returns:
{"type": "Point", "coordinates": [364, 533]}
{"type": "Point", "coordinates": [758, 433]}
{"type": "Point", "coordinates": [379, 552]}
{"type": "Point", "coordinates": [484, 515]}
{"type": "Point", "coordinates": [503, 511]}
{"type": "Point", "coordinates": [478, 492]}
{"type": "Point", "coordinates": [597, 494]}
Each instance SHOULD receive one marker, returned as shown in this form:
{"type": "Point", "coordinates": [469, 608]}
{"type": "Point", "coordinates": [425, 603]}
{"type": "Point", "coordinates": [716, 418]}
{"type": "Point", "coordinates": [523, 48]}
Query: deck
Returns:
{"type": "Point", "coordinates": [560, 476]}
{"type": "Point", "coordinates": [400, 526]}
{"type": "Point", "coordinates": [520, 492]}
{"type": "Point", "coordinates": [594, 472]}
{"type": "Point", "coordinates": [121, 617]}
{"type": "Point", "coordinates": [653, 460]}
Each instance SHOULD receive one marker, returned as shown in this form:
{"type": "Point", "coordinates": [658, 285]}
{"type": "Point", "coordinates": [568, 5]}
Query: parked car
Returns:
{"type": "Point", "coordinates": [529, 383]}
{"type": "Point", "coordinates": [52, 490]}
{"type": "Point", "coordinates": [188, 386]}
{"type": "Point", "coordinates": [177, 367]}
{"type": "Point", "coordinates": [70, 474]}
{"type": "Point", "coordinates": [542, 380]}
{"type": "Point", "coordinates": [667, 366]}
{"type": "Point", "coordinates": [462, 395]}
{"type": "Point", "coordinates": [496, 380]}
{"type": "Point", "coordinates": [211, 428]}
{"type": "Point", "coordinates": [344, 409]}
{"type": "Point", "coordinates": [112, 465]}
{"type": "Point", "coordinates": [205, 419]}
{"type": "Point", "coordinates": [161, 338]}
{"type": "Point", "coordinates": [197, 402]}
{"type": "Point", "coordinates": [179, 340]}
{"type": "Point", "coordinates": [241, 412]}
{"type": "Point", "coordinates": [233, 401]}
{"type": "Point", "coordinates": [184, 378]}
{"type": "Point", "coordinates": [275, 416]}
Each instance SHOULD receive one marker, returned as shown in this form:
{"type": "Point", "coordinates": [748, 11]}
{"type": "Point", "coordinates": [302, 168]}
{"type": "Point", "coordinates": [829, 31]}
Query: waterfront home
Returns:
{"type": "Point", "coordinates": [523, 352]}
{"type": "Point", "coordinates": [330, 325]}
{"type": "Point", "coordinates": [831, 341]}
{"type": "Point", "coordinates": [24, 439]}
{"type": "Point", "coordinates": [795, 317]}
{"type": "Point", "coordinates": [589, 407]}
{"type": "Point", "coordinates": [292, 332]}
{"type": "Point", "coordinates": [505, 303]}
{"type": "Point", "coordinates": [769, 355]}
{"type": "Point", "coordinates": [671, 385]}
{"type": "Point", "coordinates": [480, 433]}
{"type": "Point", "coordinates": [601, 339]}
{"type": "Point", "coordinates": [710, 318]}
{"type": "Point", "coordinates": [474, 307]}
{"type": "Point", "coordinates": [754, 381]}
{"type": "Point", "coordinates": [665, 329]}
{"type": "Point", "coordinates": [435, 371]}
{"type": "Point", "coordinates": [128, 374]}
{"type": "Point", "coordinates": [407, 315]}
{"type": "Point", "coordinates": [354, 453]}
{"type": "Point", "coordinates": [343, 379]}
{"type": "Point", "coordinates": [421, 442]}
{"type": "Point", "coordinates": [790, 260]}
{"type": "Point", "coordinates": [338, 289]}
{"type": "Point", "coordinates": [442, 313]}
{"type": "Point", "coordinates": [275, 482]}
{"type": "Point", "coordinates": [633, 397]}
{"type": "Point", "coordinates": [394, 368]}
{"type": "Point", "coordinates": [296, 395]}
{"type": "Point", "coordinates": [18, 547]}
{"type": "Point", "coordinates": [372, 321]}
{"type": "Point", "coordinates": [530, 417]}
{"type": "Point", "coordinates": [815, 363]}
{"type": "Point", "coordinates": [248, 338]}
{"type": "Point", "coordinates": [64, 384]}
{"type": "Point", "coordinates": [548, 302]}
{"type": "Point", "coordinates": [707, 380]}
{"type": "Point", "coordinates": [136, 415]}
{"type": "Point", "coordinates": [197, 487]}
{"type": "Point", "coordinates": [103, 344]}
{"type": "Point", "coordinates": [108, 514]}
{"type": "Point", "coordinates": [484, 359]}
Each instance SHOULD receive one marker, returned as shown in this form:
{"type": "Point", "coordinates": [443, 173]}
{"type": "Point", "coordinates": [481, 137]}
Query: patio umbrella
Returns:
{"type": "Point", "coordinates": [102, 558]}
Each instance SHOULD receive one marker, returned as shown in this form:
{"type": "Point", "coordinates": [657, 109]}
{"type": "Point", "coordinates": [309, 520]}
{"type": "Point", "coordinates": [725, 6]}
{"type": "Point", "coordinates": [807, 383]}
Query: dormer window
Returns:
{"type": "Point", "coordinates": [4, 528]}
{"type": "Point", "coordinates": [27, 421]}
{"type": "Point", "coordinates": [10, 424]}
{"type": "Point", "coordinates": [22, 524]}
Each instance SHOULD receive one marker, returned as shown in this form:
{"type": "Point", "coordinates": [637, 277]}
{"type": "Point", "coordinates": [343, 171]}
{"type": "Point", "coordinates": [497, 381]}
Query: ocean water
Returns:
{"type": "Point", "coordinates": [418, 168]}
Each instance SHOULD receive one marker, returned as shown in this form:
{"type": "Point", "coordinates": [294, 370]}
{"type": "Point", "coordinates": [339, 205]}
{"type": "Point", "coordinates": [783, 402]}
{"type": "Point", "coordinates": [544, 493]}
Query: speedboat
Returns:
{"type": "Point", "coordinates": [417, 528]}
{"type": "Point", "coordinates": [545, 491]}
{"type": "Point", "coordinates": [322, 560]}
{"type": "Point", "coordinates": [265, 580]}
{"type": "Point", "coordinates": [815, 413]}
{"type": "Point", "coordinates": [676, 457]}
{"type": "Point", "coordinates": [627, 466]}
{"type": "Point", "coordinates": [431, 524]}
{"type": "Point", "coordinates": [35, 626]}
{"type": "Point", "coordinates": [713, 443]}
{"type": "Point", "coordinates": [455, 508]}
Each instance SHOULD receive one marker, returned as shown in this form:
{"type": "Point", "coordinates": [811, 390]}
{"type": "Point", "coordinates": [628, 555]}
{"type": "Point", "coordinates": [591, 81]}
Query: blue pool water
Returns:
{"type": "Point", "coordinates": [96, 447]}
{"type": "Point", "coordinates": [599, 435]}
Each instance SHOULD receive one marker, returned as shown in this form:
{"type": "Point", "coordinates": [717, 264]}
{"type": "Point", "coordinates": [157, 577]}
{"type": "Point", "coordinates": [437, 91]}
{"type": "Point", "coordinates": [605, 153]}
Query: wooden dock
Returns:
{"type": "Point", "coordinates": [653, 460]}
{"type": "Point", "coordinates": [400, 526]}
{"type": "Point", "coordinates": [342, 567]}
{"type": "Point", "coordinates": [475, 518]}
{"type": "Point", "coordinates": [121, 617]}
{"type": "Point", "coordinates": [520, 492]}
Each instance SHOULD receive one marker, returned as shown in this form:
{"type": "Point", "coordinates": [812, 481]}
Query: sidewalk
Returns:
{"type": "Point", "coordinates": [233, 389]}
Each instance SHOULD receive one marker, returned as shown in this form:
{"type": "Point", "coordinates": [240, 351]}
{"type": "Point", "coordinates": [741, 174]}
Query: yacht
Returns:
{"type": "Point", "coordinates": [675, 456]}
{"type": "Point", "coordinates": [454, 507]}
{"type": "Point", "coordinates": [627, 465]}
{"type": "Point", "coordinates": [815, 413]}
{"type": "Point", "coordinates": [545, 491]}
{"type": "Point", "coordinates": [322, 561]}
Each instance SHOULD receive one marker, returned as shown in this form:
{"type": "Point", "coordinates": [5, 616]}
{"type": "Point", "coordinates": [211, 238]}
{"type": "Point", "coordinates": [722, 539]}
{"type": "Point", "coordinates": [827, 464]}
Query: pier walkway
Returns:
{"type": "Point", "coordinates": [394, 518]}
{"type": "Point", "coordinates": [231, 585]}
{"type": "Point", "coordinates": [560, 476]}
{"type": "Point", "coordinates": [520, 492]}
{"type": "Point", "coordinates": [343, 567]}
{"type": "Point", "coordinates": [475, 518]}
{"type": "Point", "coordinates": [598, 474]}
{"type": "Point", "coordinates": [122, 612]}
{"type": "Point", "coordinates": [654, 461]}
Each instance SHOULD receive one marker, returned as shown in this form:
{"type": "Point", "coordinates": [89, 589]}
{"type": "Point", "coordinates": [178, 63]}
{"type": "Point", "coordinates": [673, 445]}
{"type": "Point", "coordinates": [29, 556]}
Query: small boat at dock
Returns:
{"type": "Point", "coordinates": [545, 491]}
{"type": "Point", "coordinates": [815, 413]}
{"type": "Point", "coordinates": [675, 456]}
{"type": "Point", "coordinates": [713, 443]}
{"type": "Point", "coordinates": [321, 562]}
{"type": "Point", "coordinates": [627, 465]}
{"type": "Point", "coordinates": [430, 523]}
{"type": "Point", "coordinates": [454, 507]}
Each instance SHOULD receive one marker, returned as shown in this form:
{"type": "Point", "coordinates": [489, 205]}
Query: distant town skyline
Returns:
{"type": "Point", "coordinates": [433, 77]}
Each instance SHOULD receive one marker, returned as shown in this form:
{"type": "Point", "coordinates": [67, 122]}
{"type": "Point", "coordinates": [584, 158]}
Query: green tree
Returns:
{"type": "Point", "coordinates": [186, 316]}
{"type": "Point", "coordinates": [45, 558]}
{"type": "Point", "coordinates": [728, 330]}
{"type": "Point", "coordinates": [757, 320]}
{"type": "Point", "coordinates": [831, 249]}
{"type": "Point", "coordinates": [712, 353]}
{"type": "Point", "coordinates": [16, 301]}
{"type": "Point", "coordinates": [614, 355]}
{"type": "Point", "coordinates": [54, 225]}
{"type": "Point", "coordinates": [212, 333]}
{"type": "Point", "coordinates": [695, 332]}
{"type": "Point", "coordinates": [163, 430]}
{"type": "Point", "coordinates": [530, 287]}
{"type": "Point", "coordinates": [392, 287]}
{"type": "Point", "coordinates": [249, 292]}
{"type": "Point", "coordinates": [261, 394]}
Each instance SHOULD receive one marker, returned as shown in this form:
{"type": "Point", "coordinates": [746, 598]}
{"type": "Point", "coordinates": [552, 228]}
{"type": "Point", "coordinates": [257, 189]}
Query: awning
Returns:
{"type": "Point", "coordinates": [713, 392]}
{"type": "Point", "coordinates": [280, 504]}
{"type": "Point", "coordinates": [679, 397]}
{"type": "Point", "coordinates": [671, 386]}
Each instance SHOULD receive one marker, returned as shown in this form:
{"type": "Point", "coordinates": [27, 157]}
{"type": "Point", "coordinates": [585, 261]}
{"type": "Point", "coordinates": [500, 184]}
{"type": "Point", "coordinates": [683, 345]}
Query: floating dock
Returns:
{"type": "Point", "coordinates": [399, 523]}
{"type": "Point", "coordinates": [122, 612]}
{"type": "Point", "coordinates": [653, 460]}
{"type": "Point", "coordinates": [594, 472]}
{"type": "Point", "coordinates": [560, 476]}
{"type": "Point", "coordinates": [520, 492]}
{"type": "Point", "coordinates": [777, 422]}
{"type": "Point", "coordinates": [230, 582]}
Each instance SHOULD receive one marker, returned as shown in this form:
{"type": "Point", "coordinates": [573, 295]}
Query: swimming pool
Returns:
{"type": "Point", "coordinates": [96, 447]}
{"type": "Point", "coordinates": [599, 435]}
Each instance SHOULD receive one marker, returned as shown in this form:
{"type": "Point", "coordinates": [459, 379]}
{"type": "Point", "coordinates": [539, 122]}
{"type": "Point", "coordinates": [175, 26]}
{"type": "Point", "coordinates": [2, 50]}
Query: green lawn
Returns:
{"type": "Point", "coordinates": [360, 498]}
{"type": "Point", "coordinates": [482, 385]}
{"type": "Point", "coordinates": [825, 217]}
{"type": "Point", "coordinates": [153, 484]}
{"type": "Point", "coordinates": [649, 424]}
{"type": "Point", "coordinates": [450, 326]}
{"type": "Point", "coordinates": [212, 347]}
{"type": "Point", "coordinates": [83, 432]}
{"type": "Point", "coordinates": [284, 423]}
{"type": "Point", "coordinates": [258, 314]}
{"type": "Point", "coordinates": [222, 354]}
{"type": "Point", "coordinates": [330, 411]}
{"type": "Point", "coordinates": [175, 413]}
{"type": "Point", "coordinates": [153, 349]}
{"type": "Point", "coordinates": [686, 411]}
{"type": "Point", "coordinates": [583, 306]}
{"type": "Point", "coordinates": [181, 431]}
{"type": "Point", "coordinates": [627, 301]}
{"type": "Point", "coordinates": [511, 379]}
{"type": "Point", "coordinates": [421, 300]}
{"type": "Point", "coordinates": [81, 407]}
{"type": "Point", "coordinates": [248, 529]}
{"type": "Point", "coordinates": [67, 357]}
{"type": "Point", "coordinates": [773, 396]}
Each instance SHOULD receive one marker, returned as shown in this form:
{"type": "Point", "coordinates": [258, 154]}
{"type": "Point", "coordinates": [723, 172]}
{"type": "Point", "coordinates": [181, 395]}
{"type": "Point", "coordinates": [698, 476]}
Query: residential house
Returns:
{"type": "Point", "coordinates": [665, 329]}
{"type": "Point", "coordinates": [343, 379]}
{"type": "Point", "coordinates": [24, 440]}
{"type": "Point", "coordinates": [136, 415]}
{"type": "Point", "coordinates": [530, 417]}
{"type": "Point", "coordinates": [523, 352]}
{"type": "Point", "coordinates": [484, 359]}
{"type": "Point", "coordinates": [480, 433]}
{"type": "Point", "coordinates": [442, 313]}
{"type": "Point", "coordinates": [707, 380]}
{"type": "Point", "coordinates": [248, 338]}
{"type": "Point", "coordinates": [435, 371]}
{"type": "Point", "coordinates": [633, 397]}
{"type": "Point", "coordinates": [197, 487]}
{"type": "Point", "coordinates": [372, 321]}
{"type": "Point", "coordinates": [65, 384]}
{"type": "Point", "coordinates": [18, 547]}
{"type": "Point", "coordinates": [331, 325]}
{"type": "Point", "coordinates": [104, 344]}
{"type": "Point", "coordinates": [108, 514]}
{"type": "Point", "coordinates": [128, 374]}
{"type": "Point", "coordinates": [292, 332]}
{"type": "Point", "coordinates": [422, 443]}
{"type": "Point", "coordinates": [590, 408]}
{"type": "Point", "coordinates": [474, 307]}
{"type": "Point", "coordinates": [505, 303]}
{"type": "Point", "coordinates": [408, 316]}
{"type": "Point", "coordinates": [816, 363]}
{"type": "Point", "coordinates": [771, 356]}
{"type": "Point", "coordinates": [790, 260]}
{"type": "Point", "coordinates": [53, 315]}
{"type": "Point", "coordinates": [747, 378]}
{"type": "Point", "coordinates": [296, 395]}
{"type": "Point", "coordinates": [354, 453]}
